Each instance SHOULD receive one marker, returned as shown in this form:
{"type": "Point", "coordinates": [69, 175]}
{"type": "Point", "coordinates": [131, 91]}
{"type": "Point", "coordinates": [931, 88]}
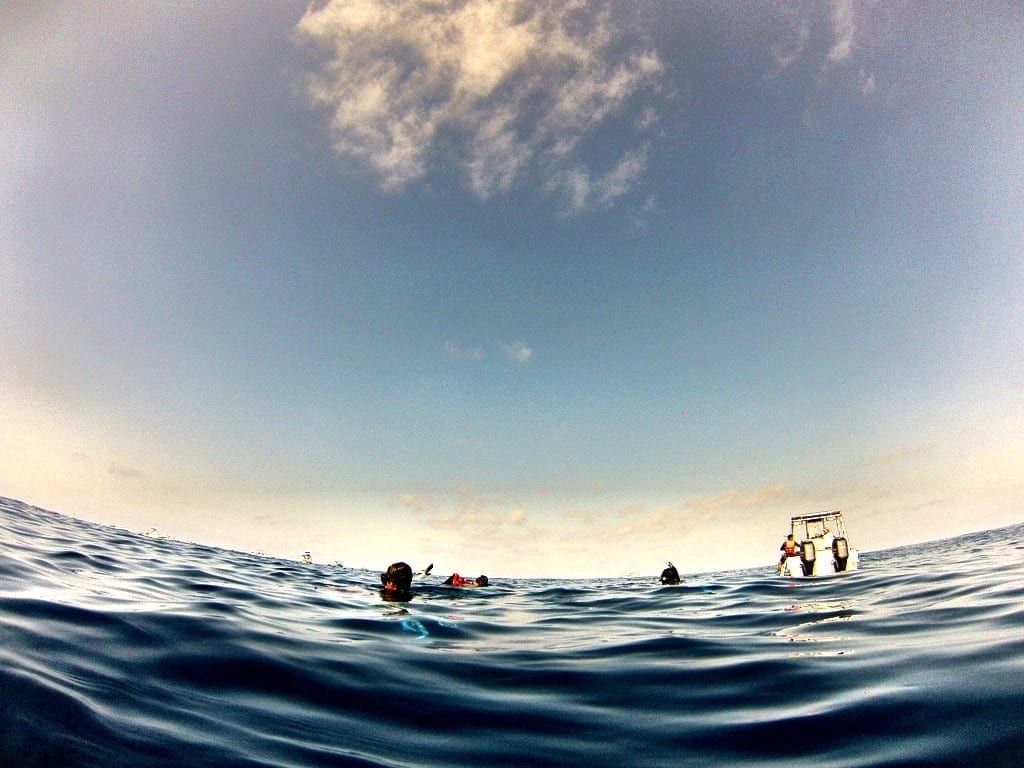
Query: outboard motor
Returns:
{"type": "Point", "coordinates": [840, 552]}
{"type": "Point", "coordinates": [807, 555]}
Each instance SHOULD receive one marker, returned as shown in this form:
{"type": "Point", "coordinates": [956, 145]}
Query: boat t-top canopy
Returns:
{"type": "Point", "coordinates": [818, 524]}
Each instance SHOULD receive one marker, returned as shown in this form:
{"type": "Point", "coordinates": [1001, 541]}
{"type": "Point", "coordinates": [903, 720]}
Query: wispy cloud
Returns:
{"type": "Point", "coordinates": [123, 471]}
{"type": "Point", "coordinates": [689, 514]}
{"type": "Point", "coordinates": [736, 499]}
{"type": "Point", "coordinates": [508, 90]}
{"type": "Point", "coordinates": [637, 521]}
{"type": "Point", "coordinates": [622, 177]}
{"type": "Point", "coordinates": [515, 516]}
{"type": "Point", "coordinates": [843, 30]}
{"type": "Point", "coordinates": [866, 83]}
{"type": "Point", "coordinates": [797, 40]}
{"type": "Point", "coordinates": [518, 352]}
{"type": "Point", "coordinates": [791, 46]}
{"type": "Point", "coordinates": [907, 453]}
{"type": "Point", "coordinates": [580, 190]}
{"type": "Point", "coordinates": [463, 353]}
{"type": "Point", "coordinates": [465, 514]}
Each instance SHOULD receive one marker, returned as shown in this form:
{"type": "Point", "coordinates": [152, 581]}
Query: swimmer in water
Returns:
{"type": "Point", "coordinates": [670, 575]}
{"type": "Point", "coordinates": [455, 580]}
{"type": "Point", "coordinates": [396, 582]}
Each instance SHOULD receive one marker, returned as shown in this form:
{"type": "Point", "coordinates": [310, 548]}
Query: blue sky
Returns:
{"type": "Point", "coordinates": [523, 288]}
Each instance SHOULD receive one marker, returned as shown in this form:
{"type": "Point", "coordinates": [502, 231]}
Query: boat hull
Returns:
{"type": "Point", "coordinates": [823, 564]}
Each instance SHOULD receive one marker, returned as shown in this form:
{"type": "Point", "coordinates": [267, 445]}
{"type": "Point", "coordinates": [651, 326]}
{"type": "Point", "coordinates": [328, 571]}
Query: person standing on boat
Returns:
{"type": "Point", "coordinates": [789, 548]}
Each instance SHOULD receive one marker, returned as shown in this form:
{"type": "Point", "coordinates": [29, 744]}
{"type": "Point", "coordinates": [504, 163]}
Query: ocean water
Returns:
{"type": "Point", "coordinates": [118, 649]}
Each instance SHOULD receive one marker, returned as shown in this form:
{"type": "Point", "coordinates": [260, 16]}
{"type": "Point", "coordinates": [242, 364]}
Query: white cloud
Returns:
{"type": "Point", "coordinates": [579, 190]}
{"type": "Point", "coordinates": [647, 119]}
{"type": "Point", "coordinates": [407, 499]}
{"type": "Point", "coordinates": [736, 499]}
{"type": "Point", "coordinates": [516, 516]}
{"type": "Point", "coordinates": [496, 155]}
{"type": "Point", "coordinates": [502, 88]}
{"type": "Point", "coordinates": [518, 352]}
{"type": "Point", "coordinates": [463, 353]}
{"type": "Point", "coordinates": [866, 83]}
{"type": "Point", "coordinates": [574, 185]}
{"type": "Point", "coordinates": [843, 30]}
{"type": "Point", "coordinates": [123, 470]}
{"type": "Point", "coordinates": [622, 177]}
{"type": "Point", "coordinates": [788, 50]}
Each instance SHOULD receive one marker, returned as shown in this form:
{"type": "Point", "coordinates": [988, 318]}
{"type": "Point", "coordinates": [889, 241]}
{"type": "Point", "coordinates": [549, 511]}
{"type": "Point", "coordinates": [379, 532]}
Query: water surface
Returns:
{"type": "Point", "coordinates": [118, 649]}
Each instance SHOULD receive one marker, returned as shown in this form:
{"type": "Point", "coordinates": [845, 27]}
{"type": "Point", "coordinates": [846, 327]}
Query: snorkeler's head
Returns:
{"type": "Point", "coordinates": [670, 575]}
{"type": "Point", "coordinates": [481, 581]}
{"type": "Point", "coordinates": [397, 578]}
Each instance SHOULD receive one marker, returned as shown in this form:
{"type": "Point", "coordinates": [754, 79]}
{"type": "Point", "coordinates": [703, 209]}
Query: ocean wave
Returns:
{"type": "Point", "coordinates": [119, 649]}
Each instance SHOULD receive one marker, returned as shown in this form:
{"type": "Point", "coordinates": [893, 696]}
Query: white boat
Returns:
{"type": "Point", "coordinates": [822, 547]}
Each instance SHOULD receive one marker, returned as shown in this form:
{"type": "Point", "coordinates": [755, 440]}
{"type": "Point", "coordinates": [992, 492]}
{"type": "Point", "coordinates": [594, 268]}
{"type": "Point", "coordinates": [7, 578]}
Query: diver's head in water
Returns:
{"type": "Point", "coordinates": [396, 582]}
{"type": "Point", "coordinates": [670, 575]}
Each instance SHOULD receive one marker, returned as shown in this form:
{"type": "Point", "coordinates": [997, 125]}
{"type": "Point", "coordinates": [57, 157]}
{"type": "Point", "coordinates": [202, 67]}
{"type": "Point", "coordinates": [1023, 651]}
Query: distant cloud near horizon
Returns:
{"type": "Point", "coordinates": [509, 91]}
{"type": "Point", "coordinates": [123, 470]}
